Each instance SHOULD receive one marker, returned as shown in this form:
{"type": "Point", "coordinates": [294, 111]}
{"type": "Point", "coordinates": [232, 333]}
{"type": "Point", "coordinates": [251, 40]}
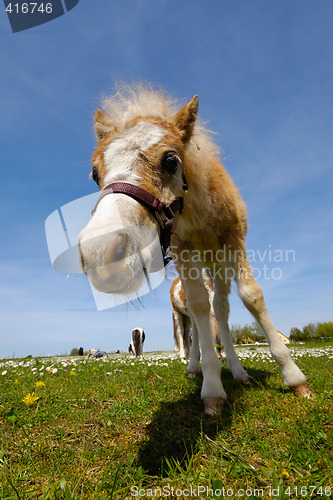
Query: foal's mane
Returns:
{"type": "Point", "coordinates": [144, 100]}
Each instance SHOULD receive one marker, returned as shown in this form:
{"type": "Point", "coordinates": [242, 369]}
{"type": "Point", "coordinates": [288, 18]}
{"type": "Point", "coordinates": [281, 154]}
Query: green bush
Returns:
{"type": "Point", "coordinates": [312, 332]}
{"type": "Point", "coordinates": [247, 334]}
{"type": "Point", "coordinates": [74, 351]}
{"type": "Point", "coordinates": [325, 330]}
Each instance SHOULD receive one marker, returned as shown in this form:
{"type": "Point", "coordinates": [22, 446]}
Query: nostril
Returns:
{"type": "Point", "coordinates": [117, 248]}
{"type": "Point", "coordinates": [109, 260]}
{"type": "Point", "coordinates": [82, 263]}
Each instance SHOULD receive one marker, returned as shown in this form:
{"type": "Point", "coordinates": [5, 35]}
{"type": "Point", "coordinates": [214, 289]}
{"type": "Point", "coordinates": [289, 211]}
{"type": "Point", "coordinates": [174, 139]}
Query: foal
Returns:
{"type": "Point", "coordinates": [157, 149]}
{"type": "Point", "coordinates": [182, 325]}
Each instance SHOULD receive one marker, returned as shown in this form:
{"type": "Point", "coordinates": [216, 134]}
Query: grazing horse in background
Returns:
{"type": "Point", "coordinates": [136, 345]}
{"type": "Point", "coordinates": [182, 324]}
{"type": "Point", "coordinates": [150, 150]}
{"type": "Point", "coordinates": [91, 353]}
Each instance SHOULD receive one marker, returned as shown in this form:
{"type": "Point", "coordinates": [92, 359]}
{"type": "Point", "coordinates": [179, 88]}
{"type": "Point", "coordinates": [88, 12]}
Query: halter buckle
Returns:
{"type": "Point", "coordinates": [159, 220]}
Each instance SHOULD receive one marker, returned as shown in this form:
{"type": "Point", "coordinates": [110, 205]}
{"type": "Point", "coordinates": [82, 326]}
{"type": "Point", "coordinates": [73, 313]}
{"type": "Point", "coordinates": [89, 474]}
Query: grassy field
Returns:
{"type": "Point", "coordinates": [134, 428]}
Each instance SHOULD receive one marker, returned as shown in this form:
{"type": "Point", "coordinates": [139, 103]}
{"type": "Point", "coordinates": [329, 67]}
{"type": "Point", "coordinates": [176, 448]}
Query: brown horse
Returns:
{"type": "Point", "coordinates": [149, 150]}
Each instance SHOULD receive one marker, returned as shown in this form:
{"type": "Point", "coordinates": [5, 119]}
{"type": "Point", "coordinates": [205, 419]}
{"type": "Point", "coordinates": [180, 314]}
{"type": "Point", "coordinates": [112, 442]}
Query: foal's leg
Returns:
{"type": "Point", "coordinates": [180, 332]}
{"type": "Point", "coordinates": [222, 308]}
{"type": "Point", "coordinates": [216, 334]}
{"type": "Point", "coordinates": [252, 296]}
{"type": "Point", "coordinates": [193, 368]}
{"type": "Point", "coordinates": [187, 330]}
{"type": "Point", "coordinates": [212, 392]}
{"type": "Point", "coordinates": [175, 331]}
{"type": "Point", "coordinates": [206, 274]}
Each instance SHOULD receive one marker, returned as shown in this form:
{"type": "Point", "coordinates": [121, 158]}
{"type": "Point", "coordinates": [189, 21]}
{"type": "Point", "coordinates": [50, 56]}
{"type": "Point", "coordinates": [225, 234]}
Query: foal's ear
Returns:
{"type": "Point", "coordinates": [102, 125]}
{"type": "Point", "coordinates": [185, 119]}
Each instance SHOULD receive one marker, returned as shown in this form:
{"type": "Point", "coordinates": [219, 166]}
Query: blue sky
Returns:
{"type": "Point", "coordinates": [264, 74]}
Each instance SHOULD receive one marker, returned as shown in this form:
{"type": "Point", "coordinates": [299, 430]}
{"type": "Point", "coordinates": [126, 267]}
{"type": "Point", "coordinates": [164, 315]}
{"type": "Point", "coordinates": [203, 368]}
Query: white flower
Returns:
{"type": "Point", "coordinates": [4, 372]}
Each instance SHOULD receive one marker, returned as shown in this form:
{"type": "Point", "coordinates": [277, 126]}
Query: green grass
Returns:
{"type": "Point", "coordinates": [100, 428]}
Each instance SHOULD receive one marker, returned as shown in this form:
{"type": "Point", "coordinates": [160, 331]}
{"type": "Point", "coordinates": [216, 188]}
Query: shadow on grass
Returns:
{"type": "Point", "coordinates": [176, 426]}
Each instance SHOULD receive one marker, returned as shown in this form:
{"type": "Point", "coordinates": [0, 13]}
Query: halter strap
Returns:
{"type": "Point", "coordinates": [154, 205]}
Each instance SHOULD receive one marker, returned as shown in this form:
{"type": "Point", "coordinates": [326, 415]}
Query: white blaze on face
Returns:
{"type": "Point", "coordinates": [113, 265]}
{"type": "Point", "coordinates": [121, 156]}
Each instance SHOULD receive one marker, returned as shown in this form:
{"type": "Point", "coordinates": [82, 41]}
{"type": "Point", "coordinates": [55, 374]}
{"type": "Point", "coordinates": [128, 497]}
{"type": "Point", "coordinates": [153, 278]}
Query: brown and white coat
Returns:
{"type": "Point", "coordinates": [145, 140]}
{"type": "Point", "coordinates": [182, 323]}
{"type": "Point", "coordinates": [136, 345]}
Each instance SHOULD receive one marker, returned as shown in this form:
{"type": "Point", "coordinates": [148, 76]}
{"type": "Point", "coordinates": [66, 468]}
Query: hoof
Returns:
{"type": "Point", "coordinates": [213, 405]}
{"type": "Point", "coordinates": [244, 380]}
{"type": "Point", "coordinates": [192, 373]}
{"type": "Point", "coordinates": [302, 391]}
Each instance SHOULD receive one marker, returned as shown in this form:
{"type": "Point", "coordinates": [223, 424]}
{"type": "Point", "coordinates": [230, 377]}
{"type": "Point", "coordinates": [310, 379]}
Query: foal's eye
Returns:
{"type": "Point", "coordinates": [95, 176]}
{"type": "Point", "coordinates": [170, 162]}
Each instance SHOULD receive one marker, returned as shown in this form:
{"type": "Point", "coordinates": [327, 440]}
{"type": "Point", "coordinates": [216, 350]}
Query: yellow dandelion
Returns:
{"type": "Point", "coordinates": [95, 369]}
{"type": "Point", "coordinates": [72, 373]}
{"type": "Point", "coordinates": [39, 384]}
{"type": "Point", "coordinates": [16, 382]}
{"type": "Point", "coordinates": [30, 399]}
{"type": "Point", "coordinates": [285, 474]}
